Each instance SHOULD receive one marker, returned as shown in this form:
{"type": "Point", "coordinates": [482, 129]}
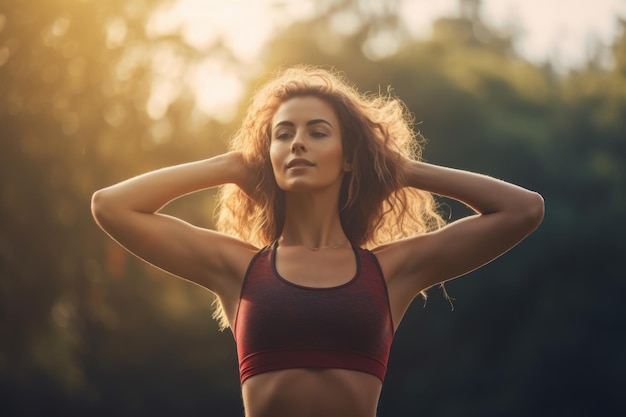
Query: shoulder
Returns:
{"type": "Point", "coordinates": [393, 257]}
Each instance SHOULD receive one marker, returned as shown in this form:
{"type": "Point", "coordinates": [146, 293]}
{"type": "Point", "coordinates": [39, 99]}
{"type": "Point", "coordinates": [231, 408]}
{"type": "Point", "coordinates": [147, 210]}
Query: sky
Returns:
{"type": "Point", "coordinates": [556, 29]}
{"type": "Point", "coordinates": [562, 31]}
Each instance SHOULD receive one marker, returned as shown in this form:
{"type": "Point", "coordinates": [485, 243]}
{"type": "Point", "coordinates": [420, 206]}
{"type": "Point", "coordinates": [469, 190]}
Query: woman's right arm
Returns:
{"type": "Point", "coordinates": [128, 212]}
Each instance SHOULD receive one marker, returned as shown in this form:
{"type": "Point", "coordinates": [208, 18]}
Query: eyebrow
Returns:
{"type": "Point", "coordinates": [309, 123]}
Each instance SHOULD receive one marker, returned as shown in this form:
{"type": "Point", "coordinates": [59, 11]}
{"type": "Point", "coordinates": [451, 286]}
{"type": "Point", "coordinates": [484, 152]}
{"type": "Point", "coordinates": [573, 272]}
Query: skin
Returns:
{"type": "Point", "coordinates": [307, 129]}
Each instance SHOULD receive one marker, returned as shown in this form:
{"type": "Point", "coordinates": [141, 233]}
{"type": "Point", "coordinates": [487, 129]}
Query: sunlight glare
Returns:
{"type": "Point", "coordinates": [218, 89]}
{"type": "Point", "coordinates": [418, 15]}
{"type": "Point", "coordinates": [241, 27]}
{"type": "Point", "coordinates": [346, 23]}
{"type": "Point", "coordinates": [116, 31]}
{"type": "Point", "coordinates": [168, 68]}
{"type": "Point", "coordinates": [380, 45]}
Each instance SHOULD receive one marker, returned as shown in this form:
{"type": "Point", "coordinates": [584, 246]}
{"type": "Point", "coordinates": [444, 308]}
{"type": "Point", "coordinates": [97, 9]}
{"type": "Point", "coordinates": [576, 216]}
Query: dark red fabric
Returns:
{"type": "Point", "coordinates": [281, 325]}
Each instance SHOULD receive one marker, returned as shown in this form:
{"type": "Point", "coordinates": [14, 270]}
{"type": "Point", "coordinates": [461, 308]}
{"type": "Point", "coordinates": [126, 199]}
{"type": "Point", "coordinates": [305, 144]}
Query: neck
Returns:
{"type": "Point", "coordinates": [312, 222]}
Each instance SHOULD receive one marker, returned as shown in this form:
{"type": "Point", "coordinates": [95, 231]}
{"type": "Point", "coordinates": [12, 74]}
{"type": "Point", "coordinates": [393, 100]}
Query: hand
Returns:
{"type": "Point", "coordinates": [244, 176]}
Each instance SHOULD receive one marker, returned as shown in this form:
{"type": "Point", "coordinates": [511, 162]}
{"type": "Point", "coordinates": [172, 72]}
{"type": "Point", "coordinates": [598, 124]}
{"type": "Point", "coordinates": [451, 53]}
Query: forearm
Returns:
{"type": "Point", "coordinates": [149, 192]}
{"type": "Point", "coordinates": [482, 193]}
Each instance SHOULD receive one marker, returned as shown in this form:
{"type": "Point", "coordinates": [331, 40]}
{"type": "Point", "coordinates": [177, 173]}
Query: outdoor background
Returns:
{"type": "Point", "coordinates": [92, 92]}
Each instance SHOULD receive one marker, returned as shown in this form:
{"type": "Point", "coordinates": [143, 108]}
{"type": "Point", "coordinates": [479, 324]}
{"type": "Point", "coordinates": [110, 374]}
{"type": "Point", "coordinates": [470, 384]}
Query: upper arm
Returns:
{"type": "Point", "coordinates": [200, 255]}
{"type": "Point", "coordinates": [417, 263]}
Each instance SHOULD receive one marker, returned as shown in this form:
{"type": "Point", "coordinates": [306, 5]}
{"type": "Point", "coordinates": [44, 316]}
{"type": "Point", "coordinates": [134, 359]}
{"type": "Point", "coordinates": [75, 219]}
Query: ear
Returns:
{"type": "Point", "coordinates": [347, 166]}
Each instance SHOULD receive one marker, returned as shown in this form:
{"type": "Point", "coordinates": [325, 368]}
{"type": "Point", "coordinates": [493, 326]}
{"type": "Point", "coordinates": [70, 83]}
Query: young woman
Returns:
{"type": "Point", "coordinates": [316, 174]}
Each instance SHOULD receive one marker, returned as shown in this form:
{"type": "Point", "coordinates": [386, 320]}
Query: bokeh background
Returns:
{"type": "Point", "coordinates": [92, 92]}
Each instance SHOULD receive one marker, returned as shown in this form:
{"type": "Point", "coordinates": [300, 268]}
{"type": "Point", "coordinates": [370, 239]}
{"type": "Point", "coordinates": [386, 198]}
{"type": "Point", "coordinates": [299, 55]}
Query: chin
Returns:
{"type": "Point", "coordinates": [296, 187]}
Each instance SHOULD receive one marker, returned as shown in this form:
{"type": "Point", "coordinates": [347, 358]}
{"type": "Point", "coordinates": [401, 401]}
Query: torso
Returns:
{"type": "Point", "coordinates": [318, 269]}
{"type": "Point", "coordinates": [308, 392]}
{"type": "Point", "coordinates": [311, 393]}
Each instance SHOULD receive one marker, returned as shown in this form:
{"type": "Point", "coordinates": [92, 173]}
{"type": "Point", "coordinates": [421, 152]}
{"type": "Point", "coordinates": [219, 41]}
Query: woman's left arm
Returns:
{"type": "Point", "coordinates": [505, 214]}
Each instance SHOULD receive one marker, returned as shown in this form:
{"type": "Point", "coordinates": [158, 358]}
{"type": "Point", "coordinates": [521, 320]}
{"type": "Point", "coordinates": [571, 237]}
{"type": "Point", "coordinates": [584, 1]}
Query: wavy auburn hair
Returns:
{"type": "Point", "coordinates": [377, 132]}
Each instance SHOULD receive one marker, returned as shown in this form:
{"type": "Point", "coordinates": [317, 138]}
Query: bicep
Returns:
{"type": "Point", "coordinates": [457, 249]}
{"type": "Point", "coordinates": [171, 244]}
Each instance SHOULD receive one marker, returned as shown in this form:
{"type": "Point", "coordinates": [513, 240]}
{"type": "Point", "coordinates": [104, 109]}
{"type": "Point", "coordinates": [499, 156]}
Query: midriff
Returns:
{"type": "Point", "coordinates": [311, 393]}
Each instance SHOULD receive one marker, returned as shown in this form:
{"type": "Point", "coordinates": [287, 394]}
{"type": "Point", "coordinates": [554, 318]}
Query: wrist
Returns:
{"type": "Point", "coordinates": [412, 173]}
{"type": "Point", "coordinates": [238, 171]}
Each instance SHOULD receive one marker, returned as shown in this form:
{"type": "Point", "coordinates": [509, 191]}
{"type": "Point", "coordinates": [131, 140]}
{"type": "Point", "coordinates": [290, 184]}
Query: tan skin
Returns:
{"type": "Point", "coordinates": [306, 128]}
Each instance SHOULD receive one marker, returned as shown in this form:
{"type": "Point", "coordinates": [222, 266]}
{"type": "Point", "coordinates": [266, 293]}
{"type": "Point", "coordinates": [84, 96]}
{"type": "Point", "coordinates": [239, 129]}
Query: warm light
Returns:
{"type": "Point", "coordinates": [241, 27]}
{"type": "Point", "coordinates": [220, 88]}
{"type": "Point", "coordinates": [230, 34]}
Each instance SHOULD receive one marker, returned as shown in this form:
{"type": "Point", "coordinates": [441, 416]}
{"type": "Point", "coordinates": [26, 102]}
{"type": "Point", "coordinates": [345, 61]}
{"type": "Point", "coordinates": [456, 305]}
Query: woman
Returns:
{"type": "Point", "coordinates": [317, 173]}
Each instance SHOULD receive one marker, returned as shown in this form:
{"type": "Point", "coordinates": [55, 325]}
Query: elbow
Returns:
{"type": "Point", "coordinates": [100, 206]}
{"type": "Point", "coordinates": [534, 210]}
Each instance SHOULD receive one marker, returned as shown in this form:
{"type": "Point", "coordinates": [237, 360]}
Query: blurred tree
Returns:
{"type": "Point", "coordinates": [80, 318]}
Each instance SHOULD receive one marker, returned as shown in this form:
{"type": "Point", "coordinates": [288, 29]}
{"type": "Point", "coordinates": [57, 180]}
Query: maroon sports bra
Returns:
{"type": "Point", "coordinates": [282, 325]}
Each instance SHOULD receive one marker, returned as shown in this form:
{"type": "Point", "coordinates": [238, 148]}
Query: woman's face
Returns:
{"type": "Point", "coordinates": [305, 149]}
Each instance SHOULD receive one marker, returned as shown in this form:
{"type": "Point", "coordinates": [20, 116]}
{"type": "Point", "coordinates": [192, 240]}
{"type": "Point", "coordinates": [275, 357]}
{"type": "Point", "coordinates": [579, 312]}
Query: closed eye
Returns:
{"type": "Point", "coordinates": [316, 134]}
{"type": "Point", "coordinates": [282, 135]}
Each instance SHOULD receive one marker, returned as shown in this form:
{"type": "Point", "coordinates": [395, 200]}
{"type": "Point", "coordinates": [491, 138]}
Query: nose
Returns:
{"type": "Point", "coordinates": [297, 144]}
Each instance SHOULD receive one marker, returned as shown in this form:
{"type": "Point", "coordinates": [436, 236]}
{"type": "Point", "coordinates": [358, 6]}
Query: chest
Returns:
{"type": "Point", "coordinates": [315, 269]}
{"type": "Point", "coordinates": [345, 309]}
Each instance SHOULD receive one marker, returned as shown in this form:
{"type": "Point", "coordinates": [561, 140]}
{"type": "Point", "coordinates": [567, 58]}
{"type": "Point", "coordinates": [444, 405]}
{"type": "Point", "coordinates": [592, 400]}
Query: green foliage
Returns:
{"type": "Point", "coordinates": [87, 330]}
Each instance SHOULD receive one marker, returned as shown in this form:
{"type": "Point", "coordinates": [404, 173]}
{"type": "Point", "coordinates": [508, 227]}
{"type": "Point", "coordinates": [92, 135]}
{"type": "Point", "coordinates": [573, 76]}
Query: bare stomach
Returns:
{"type": "Point", "coordinates": [311, 393]}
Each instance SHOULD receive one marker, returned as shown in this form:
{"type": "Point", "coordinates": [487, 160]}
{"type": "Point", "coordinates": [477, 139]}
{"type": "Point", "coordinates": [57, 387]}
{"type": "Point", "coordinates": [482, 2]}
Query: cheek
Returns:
{"type": "Point", "coordinates": [335, 156]}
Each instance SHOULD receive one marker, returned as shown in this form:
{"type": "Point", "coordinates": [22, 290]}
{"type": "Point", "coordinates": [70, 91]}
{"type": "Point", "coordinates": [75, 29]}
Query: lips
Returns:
{"type": "Point", "coordinates": [299, 162]}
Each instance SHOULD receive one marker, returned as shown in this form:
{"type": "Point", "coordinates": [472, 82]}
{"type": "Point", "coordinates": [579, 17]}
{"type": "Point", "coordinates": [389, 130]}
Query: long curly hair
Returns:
{"type": "Point", "coordinates": [377, 132]}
